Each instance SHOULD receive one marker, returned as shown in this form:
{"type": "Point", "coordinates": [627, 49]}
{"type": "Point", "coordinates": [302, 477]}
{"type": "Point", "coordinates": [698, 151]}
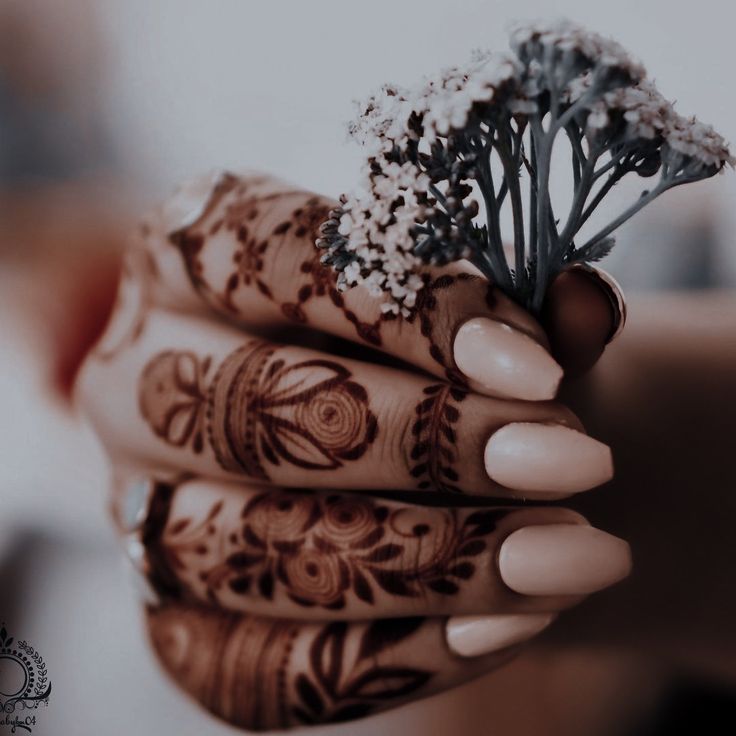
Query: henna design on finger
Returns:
{"type": "Point", "coordinates": [233, 207]}
{"type": "Point", "coordinates": [172, 397]}
{"type": "Point", "coordinates": [338, 687]}
{"type": "Point", "coordinates": [320, 551]}
{"type": "Point", "coordinates": [427, 310]}
{"type": "Point", "coordinates": [258, 411]}
{"type": "Point", "coordinates": [246, 669]}
{"type": "Point", "coordinates": [434, 453]}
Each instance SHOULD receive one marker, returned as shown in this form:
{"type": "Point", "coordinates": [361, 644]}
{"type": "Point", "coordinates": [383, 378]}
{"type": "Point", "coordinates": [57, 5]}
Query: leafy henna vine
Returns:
{"type": "Point", "coordinates": [341, 687]}
{"type": "Point", "coordinates": [258, 410]}
{"type": "Point", "coordinates": [234, 208]}
{"type": "Point", "coordinates": [434, 453]}
{"type": "Point", "coordinates": [490, 128]}
{"type": "Point", "coordinates": [320, 550]}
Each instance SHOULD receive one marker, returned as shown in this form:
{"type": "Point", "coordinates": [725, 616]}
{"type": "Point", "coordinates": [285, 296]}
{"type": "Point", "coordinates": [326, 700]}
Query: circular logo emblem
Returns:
{"type": "Point", "coordinates": [24, 683]}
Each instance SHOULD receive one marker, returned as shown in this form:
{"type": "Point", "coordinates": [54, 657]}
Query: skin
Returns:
{"type": "Point", "coordinates": [191, 339]}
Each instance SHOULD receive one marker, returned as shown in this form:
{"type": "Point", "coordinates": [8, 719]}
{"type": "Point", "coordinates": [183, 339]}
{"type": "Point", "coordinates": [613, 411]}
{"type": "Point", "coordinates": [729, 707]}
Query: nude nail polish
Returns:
{"type": "Point", "coordinates": [502, 361]}
{"type": "Point", "coordinates": [562, 559]}
{"type": "Point", "coordinates": [473, 636]}
{"type": "Point", "coordinates": [536, 458]}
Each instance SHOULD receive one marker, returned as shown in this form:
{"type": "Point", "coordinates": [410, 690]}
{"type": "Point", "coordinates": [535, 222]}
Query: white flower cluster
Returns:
{"type": "Point", "coordinates": [648, 115]}
{"type": "Point", "coordinates": [555, 41]}
{"type": "Point", "coordinates": [697, 141]}
{"type": "Point", "coordinates": [377, 224]}
{"type": "Point", "coordinates": [445, 102]}
{"type": "Point", "coordinates": [442, 103]}
{"type": "Point", "coordinates": [414, 198]}
{"type": "Point", "coordinates": [646, 112]}
{"type": "Point", "coordinates": [383, 119]}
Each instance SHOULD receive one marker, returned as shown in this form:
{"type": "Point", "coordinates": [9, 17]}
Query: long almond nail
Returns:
{"type": "Point", "coordinates": [505, 362]}
{"type": "Point", "coordinates": [472, 636]}
{"type": "Point", "coordinates": [546, 458]}
{"type": "Point", "coordinates": [562, 559]}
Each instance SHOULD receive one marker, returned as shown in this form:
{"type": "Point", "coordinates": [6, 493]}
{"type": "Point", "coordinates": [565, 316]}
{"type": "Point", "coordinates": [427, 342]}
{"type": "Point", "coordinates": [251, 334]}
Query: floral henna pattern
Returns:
{"type": "Point", "coordinates": [319, 551]}
{"type": "Point", "coordinates": [258, 410]}
{"type": "Point", "coordinates": [345, 675]}
{"type": "Point", "coordinates": [172, 398]}
{"type": "Point", "coordinates": [434, 453]}
{"type": "Point", "coordinates": [338, 687]}
{"type": "Point", "coordinates": [234, 208]}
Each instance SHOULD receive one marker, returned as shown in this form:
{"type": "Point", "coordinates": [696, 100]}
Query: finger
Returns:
{"type": "Point", "coordinates": [265, 674]}
{"type": "Point", "coordinates": [245, 248]}
{"type": "Point", "coordinates": [583, 312]}
{"type": "Point", "coordinates": [323, 556]}
{"type": "Point", "coordinates": [196, 396]}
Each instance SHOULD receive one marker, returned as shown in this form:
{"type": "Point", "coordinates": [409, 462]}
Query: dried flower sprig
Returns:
{"type": "Point", "coordinates": [491, 128]}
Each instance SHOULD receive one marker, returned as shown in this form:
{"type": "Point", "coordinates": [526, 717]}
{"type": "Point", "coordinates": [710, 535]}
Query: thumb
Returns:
{"type": "Point", "coordinates": [584, 310]}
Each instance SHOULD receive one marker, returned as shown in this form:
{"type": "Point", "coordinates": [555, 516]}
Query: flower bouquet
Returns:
{"type": "Point", "coordinates": [449, 158]}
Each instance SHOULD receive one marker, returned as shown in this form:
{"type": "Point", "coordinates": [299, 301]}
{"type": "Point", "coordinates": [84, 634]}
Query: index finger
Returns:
{"type": "Point", "coordinates": [245, 248]}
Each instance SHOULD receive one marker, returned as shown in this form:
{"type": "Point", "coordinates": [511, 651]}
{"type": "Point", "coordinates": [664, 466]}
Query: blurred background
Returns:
{"type": "Point", "coordinates": [104, 107]}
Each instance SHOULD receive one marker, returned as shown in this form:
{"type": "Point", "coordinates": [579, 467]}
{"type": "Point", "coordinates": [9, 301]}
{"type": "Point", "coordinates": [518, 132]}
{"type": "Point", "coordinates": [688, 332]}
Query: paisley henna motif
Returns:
{"type": "Point", "coordinates": [319, 551]}
{"type": "Point", "coordinates": [259, 411]}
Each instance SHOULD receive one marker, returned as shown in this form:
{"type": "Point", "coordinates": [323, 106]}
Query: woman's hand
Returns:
{"type": "Point", "coordinates": [280, 607]}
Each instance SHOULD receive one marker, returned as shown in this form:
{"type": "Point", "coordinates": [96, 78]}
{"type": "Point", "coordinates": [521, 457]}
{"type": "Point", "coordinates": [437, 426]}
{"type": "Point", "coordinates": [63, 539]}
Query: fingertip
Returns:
{"type": "Point", "coordinates": [584, 310]}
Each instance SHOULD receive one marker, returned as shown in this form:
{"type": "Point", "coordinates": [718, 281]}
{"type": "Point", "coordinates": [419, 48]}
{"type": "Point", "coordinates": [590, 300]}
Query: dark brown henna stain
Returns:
{"type": "Point", "coordinates": [242, 668]}
{"type": "Point", "coordinates": [425, 312]}
{"type": "Point", "coordinates": [258, 410]}
{"type": "Point", "coordinates": [434, 454]}
{"type": "Point", "coordinates": [320, 550]}
{"type": "Point", "coordinates": [309, 414]}
{"type": "Point", "coordinates": [171, 397]}
{"type": "Point", "coordinates": [161, 573]}
{"type": "Point", "coordinates": [242, 216]}
{"type": "Point", "coordinates": [194, 645]}
{"type": "Point", "coordinates": [338, 688]}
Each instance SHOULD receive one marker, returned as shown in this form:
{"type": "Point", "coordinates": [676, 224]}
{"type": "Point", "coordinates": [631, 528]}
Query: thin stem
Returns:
{"type": "Point", "coordinates": [495, 253]}
{"type": "Point", "coordinates": [532, 169]}
{"type": "Point", "coordinates": [610, 182]}
{"type": "Point", "coordinates": [438, 195]}
{"type": "Point", "coordinates": [644, 200]}
{"type": "Point", "coordinates": [511, 176]}
{"type": "Point", "coordinates": [614, 161]}
{"type": "Point", "coordinates": [573, 110]}
{"type": "Point", "coordinates": [543, 212]}
{"type": "Point", "coordinates": [581, 195]}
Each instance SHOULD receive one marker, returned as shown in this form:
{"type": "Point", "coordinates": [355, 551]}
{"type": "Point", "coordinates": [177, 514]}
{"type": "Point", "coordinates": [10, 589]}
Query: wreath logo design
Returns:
{"type": "Point", "coordinates": [24, 682]}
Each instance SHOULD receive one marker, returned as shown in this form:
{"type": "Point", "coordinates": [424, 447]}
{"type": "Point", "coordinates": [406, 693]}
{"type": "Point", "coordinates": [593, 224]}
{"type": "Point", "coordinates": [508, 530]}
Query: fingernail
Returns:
{"type": "Point", "coordinates": [562, 559]}
{"type": "Point", "coordinates": [472, 636]}
{"type": "Point", "coordinates": [611, 288]}
{"type": "Point", "coordinates": [505, 362]}
{"type": "Point", "coordinates": [546, 458]}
